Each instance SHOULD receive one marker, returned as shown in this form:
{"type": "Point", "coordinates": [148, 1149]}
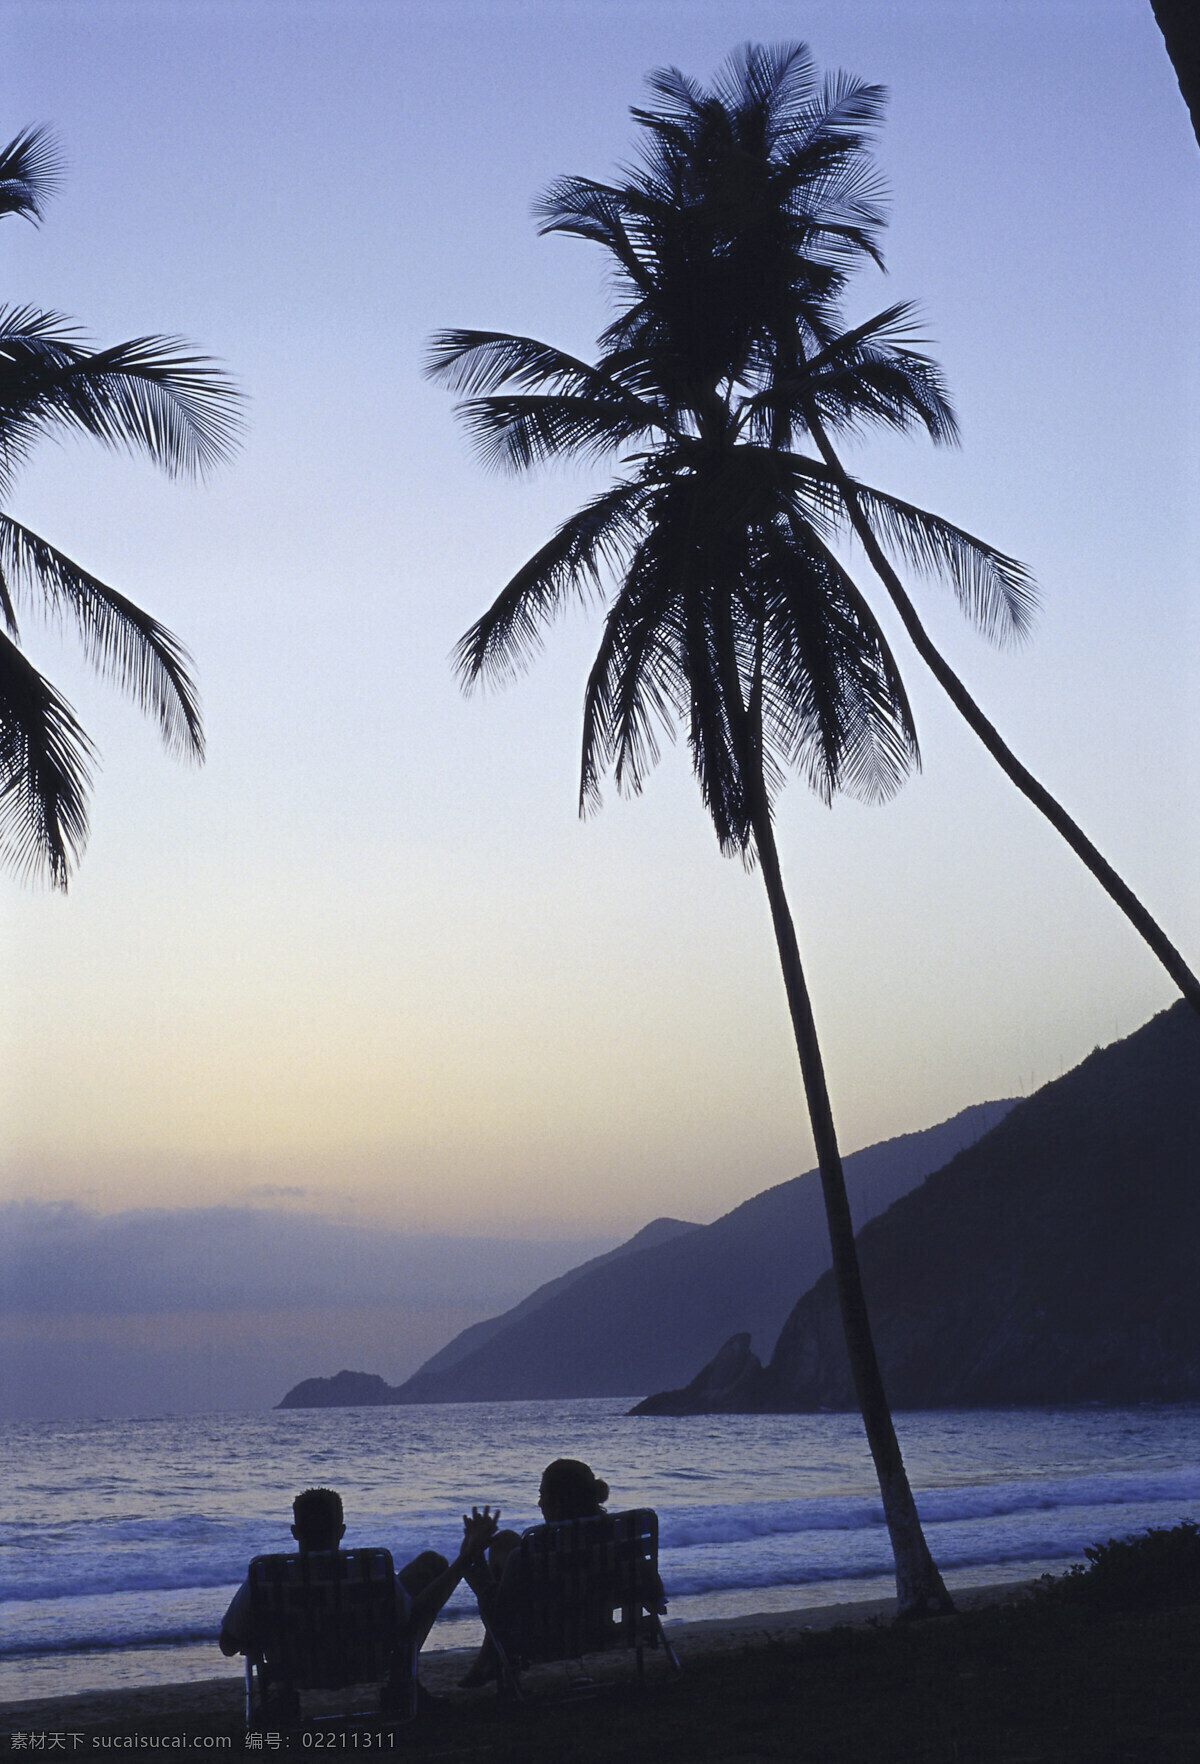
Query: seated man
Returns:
{"type": "Point", "coordinates": [422, 1585]}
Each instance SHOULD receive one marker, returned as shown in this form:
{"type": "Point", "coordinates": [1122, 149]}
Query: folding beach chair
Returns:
{"type": "Point", "coordinates": [325, 1620]}
{"type": "Point", "coordinates": [579, 1586]}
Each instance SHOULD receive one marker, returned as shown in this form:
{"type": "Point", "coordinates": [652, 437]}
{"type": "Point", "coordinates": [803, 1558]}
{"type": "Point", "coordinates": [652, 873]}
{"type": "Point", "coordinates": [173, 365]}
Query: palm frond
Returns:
{"type": "Point", "coordinates": [601, 535]}
{"type": "Point", "coordinates": [45, 773]}
{"type": "Point", "coordinates": [709, 651]}
{"type": "Point", "coordinates": [586, 410]}
{"type": "Point", "coordinates": [893, 328]}
{"type": "Point", "coordinates": [680, 97]}
{"type": "Point", "coordinates": [833, 697]}
{"type": "Point", "coordinates": [30, 171]}
{"type": "Point", "coordinates": [152, 394]}
{"type": "Point", "coordinates": [517, 433]}
{"type": "Point", "coordinates": [486, 361]}
{"type": "Point", "coordinates": [8, 611]}
{"type": "Point", "coordinates": [584, 209]}
{"type": "Point", "coordinates": [636, 689]}
{"type": "Point", "coordinates": [896, 389]}
{"type": "Point", "coordinates": [724, 784]}
{"type": "Point", "coordinates": [870, 376]}
{"type": "Point", "coordinates": [149, 394]}
{"type": "Point", "coordinates": [997, 593]}
{"type": "Point", "coordinates": [121, 641]}
{"type": "Point", "coordinates": [846, 107]}
{"type": "Point", "coordinates": [837, 212]}
{"type": "Point", "coordinates": [774, 82]}
{"type": "Point", "coordinates": [34, 346]}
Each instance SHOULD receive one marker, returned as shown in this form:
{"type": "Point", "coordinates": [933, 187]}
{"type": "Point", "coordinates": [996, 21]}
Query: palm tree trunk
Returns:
{"type": "Point", "coordinates": [919, 1588]}
{"type": "Point", "coordinates": [1026, 783]}
{"type": "Point", "coordinates": [920, 1591]}
{"type": "Point", "coordinates": [1177, 22]}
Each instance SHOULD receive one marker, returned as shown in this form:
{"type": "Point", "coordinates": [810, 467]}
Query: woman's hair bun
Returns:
{"type": "Point", "coordinates": [601, 1489]}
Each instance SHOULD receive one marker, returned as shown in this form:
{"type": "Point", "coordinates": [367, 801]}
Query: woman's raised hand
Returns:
{"type": "Point", "coordinates": [478, 1530]}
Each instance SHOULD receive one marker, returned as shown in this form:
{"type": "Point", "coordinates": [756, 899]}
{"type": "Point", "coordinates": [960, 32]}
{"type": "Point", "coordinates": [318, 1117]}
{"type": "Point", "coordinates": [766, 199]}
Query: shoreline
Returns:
{"type": "Point", "coordinates": [197, 1705]}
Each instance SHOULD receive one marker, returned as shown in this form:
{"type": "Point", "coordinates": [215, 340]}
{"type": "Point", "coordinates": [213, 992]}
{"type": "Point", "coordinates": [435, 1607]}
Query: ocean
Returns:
{"type": "Point", "coordinates": [123, 1541]}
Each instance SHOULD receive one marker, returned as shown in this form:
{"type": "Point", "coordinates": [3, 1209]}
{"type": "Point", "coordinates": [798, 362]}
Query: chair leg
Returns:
{"type": "Point", "coordinates": [258, 1687]}
{"type": "Point", "coordinates": [508, 1676]}
{"type": "Point", "coordinates": [508, 1683]}
{"type": "Point", "coordinates": [666, 1646]}
{"type": "Point", "coordinates": [398, 1693]}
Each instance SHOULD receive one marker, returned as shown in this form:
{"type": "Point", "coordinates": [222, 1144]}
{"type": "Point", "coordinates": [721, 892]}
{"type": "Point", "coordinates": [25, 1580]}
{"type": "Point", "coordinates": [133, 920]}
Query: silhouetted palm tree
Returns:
{"type": "Point", "coordinates": [150, 395]}
{"type": "Point", "coordinates": [731, 612]}
{"type": "Point", "coordinates": [731, 242]}
{"type": "Point", "coordinates": [716, 203]}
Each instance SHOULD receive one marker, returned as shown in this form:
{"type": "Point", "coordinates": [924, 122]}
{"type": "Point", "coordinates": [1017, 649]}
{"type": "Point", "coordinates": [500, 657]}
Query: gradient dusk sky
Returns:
{"type": "Point", "coordinates": [367, 962]}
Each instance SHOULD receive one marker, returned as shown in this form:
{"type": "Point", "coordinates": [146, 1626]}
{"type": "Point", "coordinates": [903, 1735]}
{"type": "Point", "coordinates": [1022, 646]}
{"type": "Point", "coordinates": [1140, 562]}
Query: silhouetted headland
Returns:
{"type": "Point", "coordinates": [1052, 1262]}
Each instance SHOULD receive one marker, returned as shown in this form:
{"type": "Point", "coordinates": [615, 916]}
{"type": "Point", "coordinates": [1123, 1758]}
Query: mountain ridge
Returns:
{"type": "Point", "coordinates": [1053, 1261]}
{"type": "Point", "coordinates": [628, 1322]}
{"type": "Point", "coordinates": [468, 1340]}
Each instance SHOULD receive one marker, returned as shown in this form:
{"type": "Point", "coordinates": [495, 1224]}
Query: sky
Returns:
{"type": "Point", "coordinates": [366, 967]}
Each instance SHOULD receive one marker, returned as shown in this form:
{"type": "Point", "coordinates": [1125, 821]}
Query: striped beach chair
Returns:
{"type": "Point", "coordinates": [580, 1586]}
{"type": "Point", "coordinates": [324, 1620]}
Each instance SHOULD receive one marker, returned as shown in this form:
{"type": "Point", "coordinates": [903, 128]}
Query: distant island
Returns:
{"type": "Point", "coordinates": [345, 1390]}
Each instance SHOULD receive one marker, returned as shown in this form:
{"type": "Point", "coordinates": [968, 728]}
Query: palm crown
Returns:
{"type": "Point", "coordinates": [731, 241]}
{"type": "Point", "coordinates": [154, 396]}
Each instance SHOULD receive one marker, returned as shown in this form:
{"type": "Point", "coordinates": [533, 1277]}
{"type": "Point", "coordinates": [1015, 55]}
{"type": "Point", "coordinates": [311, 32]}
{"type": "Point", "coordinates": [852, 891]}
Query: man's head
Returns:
{"type": "Point", "coordinates": [320, 1524]}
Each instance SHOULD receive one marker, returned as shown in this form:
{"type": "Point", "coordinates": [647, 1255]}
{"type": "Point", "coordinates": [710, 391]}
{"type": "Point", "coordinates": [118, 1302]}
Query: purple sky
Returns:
{"type": "Point", "coordinates": [367, 957]}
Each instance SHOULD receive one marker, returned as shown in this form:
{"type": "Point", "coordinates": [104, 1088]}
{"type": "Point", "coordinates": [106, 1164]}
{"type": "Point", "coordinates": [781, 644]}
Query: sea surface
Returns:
{"type": "Point", "coordinates": [123, 1541]}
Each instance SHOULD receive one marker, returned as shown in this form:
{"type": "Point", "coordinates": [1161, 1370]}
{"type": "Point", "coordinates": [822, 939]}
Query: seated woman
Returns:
{"type": "Point", "coordinates": [569, 1490]}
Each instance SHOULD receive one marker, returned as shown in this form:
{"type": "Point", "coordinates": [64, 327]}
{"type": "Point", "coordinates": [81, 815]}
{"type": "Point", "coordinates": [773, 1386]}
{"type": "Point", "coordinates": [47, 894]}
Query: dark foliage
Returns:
{"type": "Point", "coordinates": [151, 395]}
{"type": "Point", "coordinates": [1151, 1571]}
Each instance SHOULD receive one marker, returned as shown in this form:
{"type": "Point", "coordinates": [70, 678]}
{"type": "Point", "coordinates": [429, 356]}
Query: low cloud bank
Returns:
{"type": "Point", "coordinates": [189, 1310]}
{"type": "Point", "coordinates": [217, 1258]}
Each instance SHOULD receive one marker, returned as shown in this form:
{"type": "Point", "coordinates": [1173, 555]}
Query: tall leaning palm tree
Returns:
{"type": "Point", "coordinates": [153, 396]}
{"type": "Point", "coordinates": [729, 610]}
{"type": "Point", "coordinates": [731, 242]}
{"type": "Point", "coordinates": [716, 208]}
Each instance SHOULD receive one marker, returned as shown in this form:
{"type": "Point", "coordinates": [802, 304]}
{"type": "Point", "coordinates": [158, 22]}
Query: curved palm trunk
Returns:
{"type": "Point", "coordinates": [1026, 783]}
{"type": "Point", "coordinates": [920, 1591]}
{"type": "Point", "coordinates": [919, 1587]}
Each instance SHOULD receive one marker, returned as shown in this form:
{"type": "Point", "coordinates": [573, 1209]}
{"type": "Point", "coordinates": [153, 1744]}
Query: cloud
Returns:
{"type": "Point", "coordinates": [58, 1258]}
{"type": "Point", "coordinates": [174, 1311]}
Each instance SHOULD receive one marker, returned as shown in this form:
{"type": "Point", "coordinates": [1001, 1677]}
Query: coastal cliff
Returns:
{"type": "Point", "coordinates": [1052, 1262]}
{"type": "Point", "coordinates": [645, 1314]}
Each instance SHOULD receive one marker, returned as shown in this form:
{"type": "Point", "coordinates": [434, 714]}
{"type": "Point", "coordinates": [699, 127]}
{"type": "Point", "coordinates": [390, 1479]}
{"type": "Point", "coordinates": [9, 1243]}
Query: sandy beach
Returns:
{"type": "Point", "coordinates": [219, 1700]}
{"type": "Point", "coordinates": [1008, 1679]}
